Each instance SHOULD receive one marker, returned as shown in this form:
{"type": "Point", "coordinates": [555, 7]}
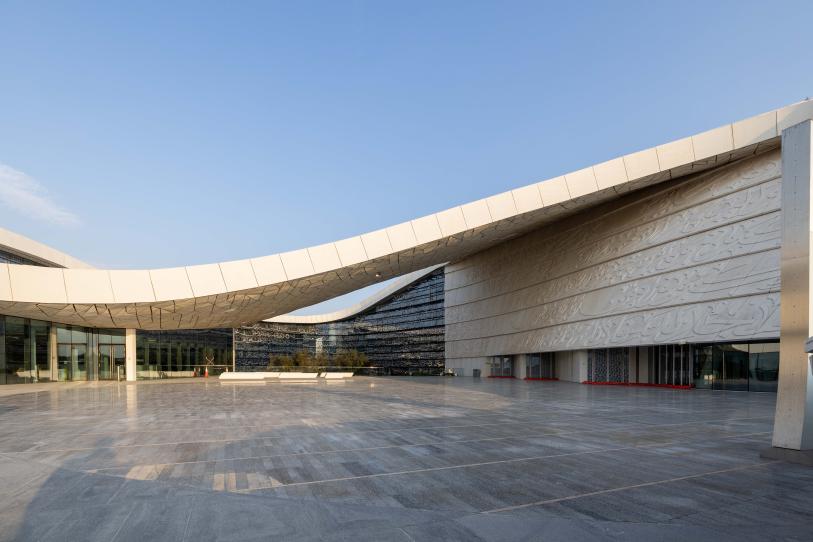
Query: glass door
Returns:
{"type": "Point", "coordinates": [105, 367]}
{"type": "Point", "coordinates": [763, 370]}
{"type": "Point", "coordinates": [119, 362]}
{"type": "Point", "coordinates": [502, 366]}
{"type": "Point", "coordinates": [79, 369]}
{"type": "Point", "coordinates": [533, 366]}
{"type": "Point", "coordinates": [703, 367]}
{"type": "Point", "coordinates": [732, 368]}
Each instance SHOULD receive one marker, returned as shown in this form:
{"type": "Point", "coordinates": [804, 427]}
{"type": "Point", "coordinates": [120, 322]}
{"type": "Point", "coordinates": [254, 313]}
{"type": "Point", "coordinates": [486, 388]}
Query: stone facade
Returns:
{"type": "Point", "coordinates": [695, 259]}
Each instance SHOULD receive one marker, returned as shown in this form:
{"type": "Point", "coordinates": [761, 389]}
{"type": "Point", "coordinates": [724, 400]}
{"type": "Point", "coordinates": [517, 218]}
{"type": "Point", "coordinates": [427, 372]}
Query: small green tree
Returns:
{"type": "Point", "coordinates": [350, 358]}
{"type": "Point", "coordinates": [321, 360]}
{"type": "Point", "coordinates": [302, 359]}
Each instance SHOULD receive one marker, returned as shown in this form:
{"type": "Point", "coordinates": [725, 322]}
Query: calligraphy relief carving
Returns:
{"type": "Point", "coordinates": [737, 319]}
{"type": "Point", "coordinates": [696, 262]}
{"type": "Point", "coordinates": [626, 215]}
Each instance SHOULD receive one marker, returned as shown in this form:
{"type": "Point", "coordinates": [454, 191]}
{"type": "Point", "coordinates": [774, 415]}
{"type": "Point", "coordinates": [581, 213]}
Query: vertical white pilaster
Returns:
{"type": "Point", "coordinates": [130, 354]}
{"type": "Point", "coordinates": [793, 424]}
{"type": "Point", "coordinates": [519, 366]}
{"type": "Point", "coordinates": [580, 365]}
{"type": "Point", "coordinates": [53, 353]}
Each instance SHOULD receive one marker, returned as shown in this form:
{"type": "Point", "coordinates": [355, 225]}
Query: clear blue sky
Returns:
{"type": "Point", "coordinates": [173, 133]}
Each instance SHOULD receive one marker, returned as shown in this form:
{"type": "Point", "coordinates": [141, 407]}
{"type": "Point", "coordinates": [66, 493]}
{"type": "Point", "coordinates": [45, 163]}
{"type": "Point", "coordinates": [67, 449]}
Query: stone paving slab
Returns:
{"type": "Point", "coordinates": [393, 459]}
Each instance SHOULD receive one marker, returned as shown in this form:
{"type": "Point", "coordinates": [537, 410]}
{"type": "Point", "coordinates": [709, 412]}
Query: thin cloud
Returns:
{"type": "Point", "coordinates": [27, 196]}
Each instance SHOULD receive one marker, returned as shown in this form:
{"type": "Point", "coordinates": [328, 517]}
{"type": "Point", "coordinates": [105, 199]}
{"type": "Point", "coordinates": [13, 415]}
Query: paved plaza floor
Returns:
{"type": "Point", "coordinates": [394, 459]}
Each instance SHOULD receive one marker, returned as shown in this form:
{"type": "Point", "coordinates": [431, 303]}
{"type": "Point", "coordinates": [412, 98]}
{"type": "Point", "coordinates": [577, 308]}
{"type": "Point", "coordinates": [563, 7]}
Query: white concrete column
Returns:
{"type": "Point", "coordinates": [519, 366]}
{"type": "Point", "coordinates": [53, 353]}
{"type": "Point", "coordinates": [580, 365]}
{"type": "Point", "coordinates": [563, 366]}
{"type": "Point", "coordinates": [793, 424]}
{"type": "Point", "coordinates": [130, 354]}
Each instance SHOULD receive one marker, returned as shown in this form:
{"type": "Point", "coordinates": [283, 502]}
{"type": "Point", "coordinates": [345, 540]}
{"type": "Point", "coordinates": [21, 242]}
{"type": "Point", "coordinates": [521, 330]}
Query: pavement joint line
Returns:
{"type": "Point", "coordinates": [178, 443]}
{"type": "Point", "coordinates": [350, 450]}
{"type": "Point", "coordinates": [452, 467]}
{"type": "Point", "coordinates": [625, 488]}
{"type": "Point", "coordinates": [409, 428]}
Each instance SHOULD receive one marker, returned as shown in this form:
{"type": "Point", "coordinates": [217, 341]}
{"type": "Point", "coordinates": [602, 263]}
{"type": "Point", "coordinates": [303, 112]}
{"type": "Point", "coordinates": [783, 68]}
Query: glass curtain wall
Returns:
{"type": "Point", "coordinates": [110, 362]}
{"type": "Point", "coordinates": [72, 353]}
{"type": "Point", "coordinates": [24, 350]}
{"type": "Point", "coordinates": [737, 367]}
{"type": "Point", "coordinates": [502, 366]}
{"type": "Point", "coordinates": [89, 354]}
{"type": "Point", "coordinates": [671, 364]}
{"type": "Point", "coordinates": [10, 257]}
{"type": "Point", "coordinates": [183, 353]}
{"type": "Point", "coordinates": [402, 334]}
{"type": "Point", "coordinates": [540, 366]}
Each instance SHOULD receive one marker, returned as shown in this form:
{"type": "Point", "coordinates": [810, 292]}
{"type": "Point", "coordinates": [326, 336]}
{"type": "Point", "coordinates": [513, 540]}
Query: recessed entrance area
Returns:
{"type": "Point", "coordinates": [502, 367]}
{"type": "Point", "coordinates": [89, 354]}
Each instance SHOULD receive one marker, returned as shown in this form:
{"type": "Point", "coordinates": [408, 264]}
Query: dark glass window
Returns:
{"type": "Point", "coordinates": [10, 257]}
{"type": "Point", "coordinates": [182, 353]}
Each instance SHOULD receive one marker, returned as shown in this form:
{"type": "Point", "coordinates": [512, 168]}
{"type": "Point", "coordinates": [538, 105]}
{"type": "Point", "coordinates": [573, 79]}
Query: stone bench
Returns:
{"type": "Point", "coordinates": [297, 377]}
{"type": "Point", "coordinates": [244, 376]}
{"type": "Point", "coordinates": [336, 376]}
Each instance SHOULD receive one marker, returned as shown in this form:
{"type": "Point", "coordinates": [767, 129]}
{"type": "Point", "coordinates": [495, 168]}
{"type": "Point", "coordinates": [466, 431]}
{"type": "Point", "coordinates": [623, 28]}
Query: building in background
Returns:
{"type": "Point", "coordinates": [400, 332]}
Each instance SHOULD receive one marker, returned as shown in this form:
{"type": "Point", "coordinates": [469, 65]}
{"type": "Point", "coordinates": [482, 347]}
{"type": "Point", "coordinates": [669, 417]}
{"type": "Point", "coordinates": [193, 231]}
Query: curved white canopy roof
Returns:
{"type": "Point", "coordinates": [238, 292]}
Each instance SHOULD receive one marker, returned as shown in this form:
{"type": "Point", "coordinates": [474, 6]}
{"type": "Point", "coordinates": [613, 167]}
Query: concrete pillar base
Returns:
{"type": "Point", "coordinates": [800, 457]}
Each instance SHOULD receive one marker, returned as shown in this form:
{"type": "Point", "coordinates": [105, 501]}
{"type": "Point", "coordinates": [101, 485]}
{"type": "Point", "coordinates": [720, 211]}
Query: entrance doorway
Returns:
{"type": "Point", "coordinates": [90, 354]}
{"type": "Point", "coordinates": [737, 367]}
{"type": "Point", "coordinates": [111, 362]}
{"type": "Point", "coordinates": [502, 366]}
{"type": "Point", "coordinates": [72, 362]}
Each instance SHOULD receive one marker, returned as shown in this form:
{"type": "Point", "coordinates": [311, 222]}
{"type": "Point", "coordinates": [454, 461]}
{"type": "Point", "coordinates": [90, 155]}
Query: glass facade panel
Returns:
{"type": "Point", "coordinates": [23, 350]}
{"type": "Point", "coordinates": [672, 365]}
{"type": "Point", "coordinates": [40, 340]}
{"type": "Point", "coordinates": [763, 367]}
{"type": "Point", "coordinates": [703, 370]}
{"type": "Point", "coordinates": [734, 374]}
{"type": "Point", "coordinates": [502, 366]}
{"type": "Point", "coordinates": [10, 257]}
{"type": "Point", "coordinates": [183, 353]}
{"type": "Point", "coordinates": [104, 360]}
{"type": "Point", "coordinates": [18, 351]}
{"type": "Point", "coordinates": [533, 366]}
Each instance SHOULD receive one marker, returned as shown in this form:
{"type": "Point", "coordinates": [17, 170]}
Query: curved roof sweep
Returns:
{"type": "Point", "coordinates": [36, 251]}
{"type": "Point", "coordinates": [391, 289]}
{"type": "Point", "coordinates": [230, 294]}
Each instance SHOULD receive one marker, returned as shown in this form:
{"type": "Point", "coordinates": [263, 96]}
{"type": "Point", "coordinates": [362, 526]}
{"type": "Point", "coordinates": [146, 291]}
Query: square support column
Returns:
{"type": "Point", "coordinates": [793, 424]}
{"type": "Point", "coordinates": [520, 366]}
{"type": "Point", "coordinates": [130, 354]}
